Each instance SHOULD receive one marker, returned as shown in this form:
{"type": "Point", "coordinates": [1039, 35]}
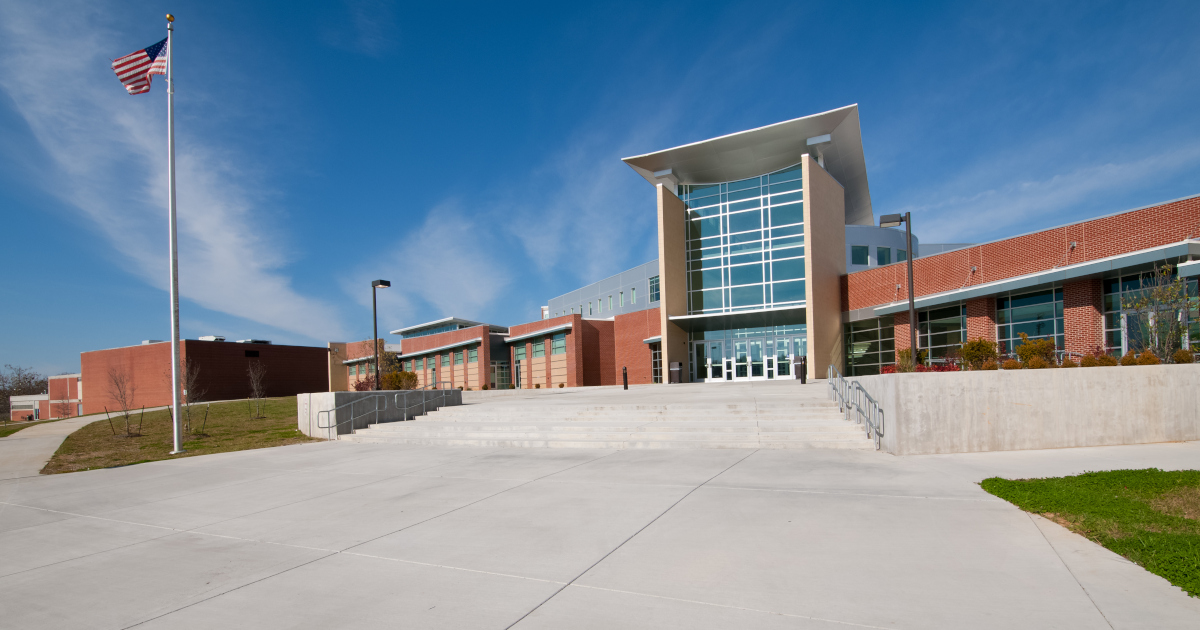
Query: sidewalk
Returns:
{"type": "Point", "coordinates": [25, 453]}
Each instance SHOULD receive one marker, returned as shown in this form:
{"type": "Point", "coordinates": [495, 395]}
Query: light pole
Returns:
{"type": "Point", "coordinates": [893, 220]}
{"type": "Point", "coordinates": [378, 284]}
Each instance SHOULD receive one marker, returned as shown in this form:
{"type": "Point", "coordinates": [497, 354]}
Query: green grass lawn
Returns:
{"type": "Point", "coordinates": [1151, 517]}
{"type": "Point", "coordinates": [229, 428]}
{"type": "Point", "coordinates": [9, 428]}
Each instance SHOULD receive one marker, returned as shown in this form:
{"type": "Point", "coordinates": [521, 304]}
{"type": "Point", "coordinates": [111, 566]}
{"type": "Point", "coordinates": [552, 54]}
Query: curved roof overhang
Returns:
{"type": "Point", "coordinates": [834, 135]}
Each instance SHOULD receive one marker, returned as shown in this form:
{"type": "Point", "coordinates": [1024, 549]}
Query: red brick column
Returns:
{"type": "Point", "coordinates": [981, 318]}
{"type": "Point", "coordinates": [901, 331]}
{"type": "Point", "coordinates": [1083, 315]}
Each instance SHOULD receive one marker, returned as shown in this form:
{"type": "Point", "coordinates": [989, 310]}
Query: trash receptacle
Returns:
{"type": "Point", "coordinates": [676, 372]}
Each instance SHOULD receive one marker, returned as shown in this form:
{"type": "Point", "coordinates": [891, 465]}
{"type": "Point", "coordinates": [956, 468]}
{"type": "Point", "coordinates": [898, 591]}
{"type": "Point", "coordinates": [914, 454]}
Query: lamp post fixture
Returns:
{"type": "Point", "coordinates": [893, 220]}
{"type": "Point", "coordinates": [381, 284]}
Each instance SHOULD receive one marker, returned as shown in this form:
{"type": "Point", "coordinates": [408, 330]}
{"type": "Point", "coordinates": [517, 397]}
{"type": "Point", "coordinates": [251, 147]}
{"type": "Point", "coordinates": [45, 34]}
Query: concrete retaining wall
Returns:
{"type": "Point", "coordinates": [963, 412]}
{"type": "Point", "coordinates": [349, 417]}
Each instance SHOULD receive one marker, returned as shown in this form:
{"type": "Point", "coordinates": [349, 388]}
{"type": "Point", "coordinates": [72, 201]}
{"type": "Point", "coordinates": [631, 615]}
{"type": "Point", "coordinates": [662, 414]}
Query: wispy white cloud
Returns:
{"type": "Point", "coordinates": [958, 217]}
{"type": "Point", "coordinates": [108, 153]}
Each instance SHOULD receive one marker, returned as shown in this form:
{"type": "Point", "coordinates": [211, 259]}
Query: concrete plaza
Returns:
{"type": "Point", "coordinates": [340, 534]}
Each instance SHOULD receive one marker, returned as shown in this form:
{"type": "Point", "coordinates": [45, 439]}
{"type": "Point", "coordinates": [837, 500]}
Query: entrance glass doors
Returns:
{"type": "Point", "coordinates": [755, 358]}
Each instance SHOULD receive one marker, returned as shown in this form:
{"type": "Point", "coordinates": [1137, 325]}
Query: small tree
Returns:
{"type": "Point", "coordinates": [1156, 315]}
{"type": "Point", "coordinates": [399, 380]}
{"type": "Point", "coordinates": [257, 373]}
{"type": "Point", "coordinates": [193, 391]}
{"type": "Point", "coordinates": [976, 352]}
{"type": "Point", "coordinates": [64, 408]}
{"type": "Point", "coordinates": [122, 389]}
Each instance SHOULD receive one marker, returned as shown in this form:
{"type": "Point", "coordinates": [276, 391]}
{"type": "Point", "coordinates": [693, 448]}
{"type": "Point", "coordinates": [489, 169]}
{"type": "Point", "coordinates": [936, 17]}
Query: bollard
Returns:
{"type": "Point", "coordinates": [625, 376]}
{"type": "Point", "coordinates": [804, 370]}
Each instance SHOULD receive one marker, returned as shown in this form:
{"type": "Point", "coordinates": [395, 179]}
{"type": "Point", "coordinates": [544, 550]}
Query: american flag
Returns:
{"type": "Point", "coordinates": [134, 69]}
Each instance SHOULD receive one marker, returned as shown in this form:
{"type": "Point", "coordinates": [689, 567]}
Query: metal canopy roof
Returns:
{"type": "Point", "coordinates": [445, 321]}
{"type": "Point", "coordinates": [766, 149]}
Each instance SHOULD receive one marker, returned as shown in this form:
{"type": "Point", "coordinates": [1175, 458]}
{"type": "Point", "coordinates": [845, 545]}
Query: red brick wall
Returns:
{"type": "Point", "coordinates": [598, 352]}
{"type": "Point", "coordinates": [630, 351]}
{"type": "Point", "coordinates": [1099, 238]}
{"type": "Point", "coordinates": [481, 334]}
{"type": "Point", "coordinates": [290, 370]}
{"type": "Point", "coordinates": [1083, 315]}
{"type": "Point", "coordinates": [981, 318]}
{"type": "Point", "coordinates": [901, 330]}
{"type": "Point", "coordinates": [62, 388]}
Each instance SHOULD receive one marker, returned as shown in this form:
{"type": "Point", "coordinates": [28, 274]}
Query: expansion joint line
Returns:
{"type": "Point", "coordinates": [1068, 568]}
{"type": "Point", "coordinates": [623, 542]}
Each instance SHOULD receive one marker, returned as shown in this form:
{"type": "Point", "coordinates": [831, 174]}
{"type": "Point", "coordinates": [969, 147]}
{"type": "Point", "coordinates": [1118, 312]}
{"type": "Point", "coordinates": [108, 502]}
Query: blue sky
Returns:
{"type": "Point", "coordinates": [471, 154]}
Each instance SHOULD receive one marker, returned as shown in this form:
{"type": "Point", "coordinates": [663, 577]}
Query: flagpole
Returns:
{"type": "Point", "coordinates": [178, 421]}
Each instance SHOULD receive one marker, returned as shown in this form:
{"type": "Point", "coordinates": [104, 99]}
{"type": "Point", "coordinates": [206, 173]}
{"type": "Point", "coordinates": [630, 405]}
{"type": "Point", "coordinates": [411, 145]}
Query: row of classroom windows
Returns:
{"type": "Point", "coordinates": [599, 304]}
{"type": "Point", "coordinates": [870, 344]}
{"type": "Point", "coordinates": [860, 255]}
{"type": "Point", "coordinates": [558, 345]}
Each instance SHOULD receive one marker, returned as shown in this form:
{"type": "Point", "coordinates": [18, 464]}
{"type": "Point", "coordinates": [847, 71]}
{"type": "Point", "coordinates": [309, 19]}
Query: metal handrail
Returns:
{"type": "Point", "coordinates": [853, 400]}
{"type": "Point", "coordinates": [424, 399]}
{"type": "Point", "coordinates": [334, 426]}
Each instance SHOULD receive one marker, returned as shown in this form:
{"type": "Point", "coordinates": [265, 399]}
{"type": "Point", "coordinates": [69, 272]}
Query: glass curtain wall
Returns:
{"type": "Point", "coordinates": [1038, 314]}
{"type": "Point", "coordinates": [941, 331]}
{"type": "Point", "coordinates": [871, 345]}
{"type": "Point", "coordinates": [745, 243]}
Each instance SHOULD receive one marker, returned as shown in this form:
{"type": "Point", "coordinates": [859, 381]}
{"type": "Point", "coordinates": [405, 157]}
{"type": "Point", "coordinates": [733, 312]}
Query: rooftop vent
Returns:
{"type": "Point", "coordinates": [146, 342]}
{"type": "Point", "coordinates": [262, 341]}
{"type": "Point", "coordinates": [212, 338]}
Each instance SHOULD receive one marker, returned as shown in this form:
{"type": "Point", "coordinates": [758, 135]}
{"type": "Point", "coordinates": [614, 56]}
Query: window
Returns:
{"type": "Point", "coordinates": [870, 344]}
{"type": "Point", "coordinates": [458, 358]}
{"type": "Point", "coordinates": [558, 344]}
{"type": "Point", "coordinates": [622, 299]}
{"type": "Point", "coordinates": [473, 355]}
{"type": "Point", "coordinates": [1117, 290]}
{"type": "Point", "coordinates": [353, 370]}
{"type": "Point", "coordinates": [610, 302]}
{"type": "Point", "coordinates": [589, 308]}
{"type": "Point", "coordinates": [656, 363]}
{"type": "Point", "coordinates": [883, 255]}
{"type": "Point", "coordinates": [408, 366]}
{"type": "Point", "coordinates": [445, 360]}
{"type": "Point", "coordinates": [941, 330]}
{"type": "Point", "coordinates": [859, 254]}
{"type": "Point", "coordinates": [539, 348]}
{"type": "Point", "coordinates": [519, 352]}
{"type": "Point", "coordinates": [653, 289]}
{"type": "Point", "coordinates": [901, 255]}
{"type": "Point", "coordinates": [632, 295]}
{"type": "Point", "coordinates": [1038, 314]}
{"type": "Point", "coordinates": [420, 363]}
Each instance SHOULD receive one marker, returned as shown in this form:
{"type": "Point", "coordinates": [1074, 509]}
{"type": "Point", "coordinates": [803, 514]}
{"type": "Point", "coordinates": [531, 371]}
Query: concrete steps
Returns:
{"type": "Point", "coordinates": [795, 424]}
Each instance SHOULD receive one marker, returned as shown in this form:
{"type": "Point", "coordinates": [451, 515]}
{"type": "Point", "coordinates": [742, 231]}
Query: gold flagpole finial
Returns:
{"type": "Point", "coordinates": [170, 18]}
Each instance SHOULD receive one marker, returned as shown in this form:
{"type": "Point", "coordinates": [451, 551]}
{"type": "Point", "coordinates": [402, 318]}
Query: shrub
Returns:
{"type": "Point", "coordinates": [976, 352]}
{"type": "Point", "coordinates": [1129, 359]}
{"type": "Point", "coordinates": [1028, 349]}
{"type": "Point", "coordinates": [938, 367]}
{"type": "Point", "coordinates": [1013, 364]}
{"type": "Point", "coordinates": [399, 380]}
{"type": "Point", "coordinates": [888, 369]}
{"type": "Point", "coordinates": [1182, 356]}
{"type": "Point", "coordinates": [1106, 360]}
{"type": "Point", "coordinates": [365, 385]}
{"type": "Point", "coordinates": [537, 385]}
{"type": "Point", "coordinates": [485, 387]}
{"type": "Point", "coordinates": [1068, 362]}
{"type": "Point", "coordinates": [990, 365]}
{"type": "Point", "coordinates": [904, 361]}
{"type": "Point", "coordinates": [1148, 358]}
{"type": "Point", "coordinates": [562, 384]}
{"type": "Point", "coordinates": [512, 385]}
{"type": "Point", "coordinates": [1037, 363]}
{"type": "Point", "coordinates": [1089, 361]}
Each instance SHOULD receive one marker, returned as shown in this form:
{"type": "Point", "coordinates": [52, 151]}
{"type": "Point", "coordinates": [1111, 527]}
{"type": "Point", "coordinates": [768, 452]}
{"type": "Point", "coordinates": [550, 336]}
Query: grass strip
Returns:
{"type": "Point", "coordinates": [1150, 516]}
{"type": "Point", "coordinates": [229, 427]}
